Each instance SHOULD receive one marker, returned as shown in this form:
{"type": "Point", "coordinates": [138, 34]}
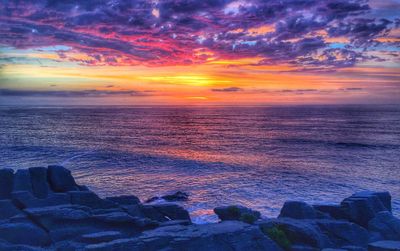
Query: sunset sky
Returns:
{"type": "Point", "coordinates": [199, 52]}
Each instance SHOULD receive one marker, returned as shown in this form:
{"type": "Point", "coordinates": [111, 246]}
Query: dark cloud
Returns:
{"type": "Point", "coordinates": [61, 93]}
{"type": "Point", "coordinates": [228, 89]}
{"type": "Point", "coordinates": [168, 32]}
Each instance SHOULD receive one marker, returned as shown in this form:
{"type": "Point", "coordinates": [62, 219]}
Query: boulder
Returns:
{"type": "Point", "coordinates": [125, 199]}
{"type": "Point", "coordinates": [363, 206]}
{"type": "Point", "coordinates": [172, 211]}
{"type": "Point", "coordinates": [384, 246]}
{"type": "Point", "coordinates": [237, 212]}
{"type": "Point", "coordinates": [39, 183]}
{"type": "Point", "coordinates": [90, 199]}
{"type": "Point", "coordinates": [6, 182]}
{"type": "Point", "coordinates": [24, 234]}
{"type": "Point", "coordinates": [386, 225]}
{"type": "Point", "coordinates": [8, 209]}
{"type": "Point", "coordinates": [298, 232]}
{"type": "Point", "coordinates": [298, 210]}
{"type": "Point", "coordinates": [61, 179]}
{"type": "Point", "coordinates": [228, 235]}
{"type": "Point", "coordinates": [22, 181]}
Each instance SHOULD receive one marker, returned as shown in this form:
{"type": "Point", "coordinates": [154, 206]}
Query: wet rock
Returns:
{"type": "Point", "coordinates": [152, 199]}
{"type": "Point", "coordinates": [384, 246]}
{"type": "Point", "coordinates": [22, 181]}
{"type": "Point", "coordinates": [125, 199]}
{"type": "Point", "coordinates": [90, 199]}
{"type": "Point", "coordinates": [386, 225]}
{"type": "Point", "coordinates": [61, 179]}
{"type": "Point", "coordinates": [6, 183]}
{"type": "Point", "coordinates": [298, 210]}
{"type": "Point", "coordinates": [39, 183]}
{"type": "Point", "coordinates": [178, 196]}
{"type": "Point", "coordinates": [8, 209]}
{"type": "Point", "coordinates": [237, 212]}
{"type": "Point", "coordinates": [24, 234]}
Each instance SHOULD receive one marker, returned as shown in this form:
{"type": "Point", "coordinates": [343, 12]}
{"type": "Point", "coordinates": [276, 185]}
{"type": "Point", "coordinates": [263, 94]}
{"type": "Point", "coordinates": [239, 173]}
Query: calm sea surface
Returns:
{"type": "Point", "coordinates": [258, 157]}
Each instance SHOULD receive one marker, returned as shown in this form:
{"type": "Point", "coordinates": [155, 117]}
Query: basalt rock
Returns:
{"type": "Point", "coordinates": [61, 179]}
{"type": "Point", "coordinates": [45, 209]}
{"type": "Point", "coordinates": [386, 225]}
{"type": "Point", "coordinates": [6, 183]}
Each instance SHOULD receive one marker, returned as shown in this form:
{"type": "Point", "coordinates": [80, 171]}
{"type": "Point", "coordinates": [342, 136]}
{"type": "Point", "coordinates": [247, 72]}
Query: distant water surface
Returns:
{"type": "Point", "coordinates": [255, 156]}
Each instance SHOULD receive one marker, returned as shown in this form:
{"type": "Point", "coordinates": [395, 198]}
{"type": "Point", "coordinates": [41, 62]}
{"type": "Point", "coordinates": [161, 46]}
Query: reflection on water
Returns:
{"type": "Point", "coordinates": [258, 157]}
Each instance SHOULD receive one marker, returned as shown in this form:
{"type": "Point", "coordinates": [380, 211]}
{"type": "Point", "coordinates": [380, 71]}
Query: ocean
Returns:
{"type": "Point", "coordinates": [258, 157]}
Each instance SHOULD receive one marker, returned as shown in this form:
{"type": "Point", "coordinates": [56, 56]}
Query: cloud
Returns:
{"type": "Point", "coordinates": [66, 94]}
{"type": "Point", "coordinates": [129, 32]}
{"type": "Point", "coordinates": [229, 89]}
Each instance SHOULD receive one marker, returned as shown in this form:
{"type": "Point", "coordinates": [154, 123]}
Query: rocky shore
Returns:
{"type": "Point", "coordinates": [44, 209]}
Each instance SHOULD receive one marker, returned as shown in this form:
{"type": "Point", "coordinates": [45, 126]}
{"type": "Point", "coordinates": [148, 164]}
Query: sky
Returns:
{"type": "Point", "coordinates": [192, 52]}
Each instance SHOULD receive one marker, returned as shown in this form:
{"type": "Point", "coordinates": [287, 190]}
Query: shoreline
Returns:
{"type": "Point", "coordinates": [45, 209]}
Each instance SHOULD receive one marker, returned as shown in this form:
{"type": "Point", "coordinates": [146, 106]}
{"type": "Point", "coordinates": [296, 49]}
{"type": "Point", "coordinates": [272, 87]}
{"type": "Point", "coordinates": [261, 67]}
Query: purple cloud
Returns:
{"type": "Point", "coordinates": [168, 32]}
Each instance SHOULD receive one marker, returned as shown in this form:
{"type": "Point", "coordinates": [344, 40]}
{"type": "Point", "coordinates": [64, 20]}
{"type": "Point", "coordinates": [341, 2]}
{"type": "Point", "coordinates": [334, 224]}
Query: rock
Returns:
{"type": "Point", "coordinates": [24, 199]}
{"type": "Point", "coordinates": [228, 235]}
{"type": "Point", "coordinates": [178, 196]}
{"type": "Point", "coordinates": [298, 210]}
{"type": "Point", "coordinates": [65, 222]}
{"type": "Point", "coordinates": [175, 222]}
{"type": "Point", "coordinates": [99, 237]}
{"type": "Point", "coordinates": [152, 199]}
{"type": "Point", "coordinates": [5, 246]}
{"type": "Point", "coordinates": [90, 199]}
{"type": "Point", "coordinates": [384, 246]}
{"type": "Point", "coordinates": [363, 206]}
{"type": "Point", "coordinates": [172, 211]}
{"type": "Point", "coordinates": [343, 233]}
{"type": "Point", "coordinates": [236, 212]}
{"type": "Point", "coordinates": [386, 225]}
{"type": "Point", "coordinates": [124, 221]}
{"type": "Point", "coordinates": [39, 183]}
{"type": "Point", "coordinates": [24, 233]}
{"type": "Point", "coordinates": [298, 232]}
{"type": "Point", "coordinates": [335, 211]}
{"type": "Point", "coordinates": [125, 199]}
{"type": "Point", "coordinates": [6, 183]}
{"type": "Point", "coordinates": [22, 181]}
{"type": "Point", "coordinates": [8, 209]}
{"type": "Point", "coordinates": [61, 180]}
{"type": "Point", "coordinates": [147, 211]}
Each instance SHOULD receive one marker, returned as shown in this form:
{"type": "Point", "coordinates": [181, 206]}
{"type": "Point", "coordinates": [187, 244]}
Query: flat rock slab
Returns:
{"type": "Point", "coordinates": [229, 235]}
{"type": "Point", "coordinates": [384, 246]}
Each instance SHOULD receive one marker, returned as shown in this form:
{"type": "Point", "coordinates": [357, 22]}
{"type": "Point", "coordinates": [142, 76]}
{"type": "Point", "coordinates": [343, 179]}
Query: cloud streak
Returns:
{"type": "Point", "coordinates": [67, 94]}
